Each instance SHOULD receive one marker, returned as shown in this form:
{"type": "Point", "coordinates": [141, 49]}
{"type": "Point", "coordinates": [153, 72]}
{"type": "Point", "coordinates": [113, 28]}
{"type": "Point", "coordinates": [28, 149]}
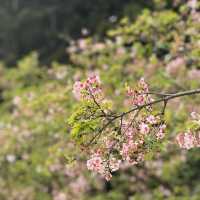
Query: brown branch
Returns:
{"type": "Point", "coordinates": [165, 99]}
{"type": "Point", "coordinates": [156, 94]}
{"type": "Point", "coordinates": [101, 130]}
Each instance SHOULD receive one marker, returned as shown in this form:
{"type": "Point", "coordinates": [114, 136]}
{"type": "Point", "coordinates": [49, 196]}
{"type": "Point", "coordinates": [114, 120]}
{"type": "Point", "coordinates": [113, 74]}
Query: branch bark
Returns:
{"type": "Point", "coordinates": [165, 98]}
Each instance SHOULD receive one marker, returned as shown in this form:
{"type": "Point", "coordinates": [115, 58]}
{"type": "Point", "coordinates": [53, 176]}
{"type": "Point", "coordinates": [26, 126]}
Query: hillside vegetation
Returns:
{"type": "Point", "coordinates": [38, 159]}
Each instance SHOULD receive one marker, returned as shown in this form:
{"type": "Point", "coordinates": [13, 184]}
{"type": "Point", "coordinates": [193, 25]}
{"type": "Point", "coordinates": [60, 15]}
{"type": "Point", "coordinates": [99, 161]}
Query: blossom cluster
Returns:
{"type": "Point", "coordinates": [129, 142]}
{"type": "Point", "coordinates": [87, 89]}
{"type": "Point", "coordinates": [130, 136]}
{"type": "Point", "coordinates": [139, 95]}
{"type": "Point", "coordinates": [134, 145]}
{"type": "Point", "coordinates": [190, 139]}
{"type": "Point", "coordinates": [130, 145]}
{"type": "Point", "coordinates": [97, 164]}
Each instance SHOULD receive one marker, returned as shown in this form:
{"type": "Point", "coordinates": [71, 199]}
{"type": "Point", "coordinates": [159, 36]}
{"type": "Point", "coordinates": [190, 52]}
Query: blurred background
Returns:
{"type": "Point", "coordinates": [48, 26]}
{"type": "Point", "coordinates": [47, 45]}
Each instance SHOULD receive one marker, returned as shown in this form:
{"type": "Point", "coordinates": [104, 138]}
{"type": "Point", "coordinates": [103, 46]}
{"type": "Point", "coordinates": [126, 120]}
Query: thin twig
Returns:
{"type": "Point", "coordinates": [164, 99]}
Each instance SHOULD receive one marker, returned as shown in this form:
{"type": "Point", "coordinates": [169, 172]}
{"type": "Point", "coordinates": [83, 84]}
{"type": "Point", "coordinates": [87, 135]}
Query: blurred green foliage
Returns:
{"type": "Point", "coordinates": [38, 160]}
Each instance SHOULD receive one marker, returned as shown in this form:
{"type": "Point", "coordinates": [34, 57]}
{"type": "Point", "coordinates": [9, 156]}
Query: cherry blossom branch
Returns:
{"type": "Point", "coordinates": [163, 99]}
{"type": "Point", "coordinates": [126, 136]}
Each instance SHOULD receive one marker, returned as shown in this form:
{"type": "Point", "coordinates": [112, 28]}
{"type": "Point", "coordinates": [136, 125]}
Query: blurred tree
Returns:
{"type": "Point", "coordinates": [48, 25]}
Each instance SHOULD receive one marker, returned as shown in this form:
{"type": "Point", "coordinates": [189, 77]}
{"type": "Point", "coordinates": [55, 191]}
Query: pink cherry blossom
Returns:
{"type": "Point", "coordinates": [186, 140]}
{"type": "Point", "coordinates": [87, 89]}
{"type": "Point", "coordinates": [109, 143]}
{"type": "Point", "coordinates": [161, 132]}
{"type": "Point", "coordinates": [77, 89]}
{"type": "Point", "coordinates": [139, 96]}
{"type": "Point", "coordinates": [114, 164]}
{"type": "Point", "coordinates": [95, 163]}
{"type": "Point", "coordinates": [143, 85]}
{"type": "Point", "coordinates": [128, 130]}
{"type": "Point", "coordinates": [195, 116]}
{"type": "Point", "coordinates": [144, 128]}
{"type": "Point", "coordinates": [128, 149]}
{"type": "Point", "coordinates": [151, 119]}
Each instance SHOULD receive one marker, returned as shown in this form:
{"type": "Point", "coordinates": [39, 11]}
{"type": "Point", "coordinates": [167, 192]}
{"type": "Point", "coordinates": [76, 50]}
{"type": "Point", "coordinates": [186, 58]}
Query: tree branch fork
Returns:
{"type": "Point", "coordinates": [165, 98]}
